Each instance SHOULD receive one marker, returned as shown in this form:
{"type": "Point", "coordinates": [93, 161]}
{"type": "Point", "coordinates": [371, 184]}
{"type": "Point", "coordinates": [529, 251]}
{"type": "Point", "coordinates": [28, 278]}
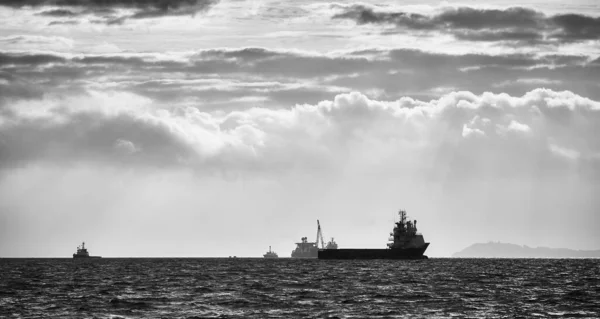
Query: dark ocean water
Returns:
{"type": "Point", "coordinates": [288, 288]}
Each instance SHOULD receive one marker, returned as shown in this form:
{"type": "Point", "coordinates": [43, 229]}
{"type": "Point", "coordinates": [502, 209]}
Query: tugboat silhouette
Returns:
{"type": "Point", "coordinates": [83, 253]}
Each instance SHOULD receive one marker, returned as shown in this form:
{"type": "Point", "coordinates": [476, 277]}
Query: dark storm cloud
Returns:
{"type": "Point", "coordinates": [491, 36]}
{"type": "Point", "coordinates": [460, 18]}
{"type": "Point", "coordinates": [29, 59]}
{"type": "Point", "coordinates": [13, 87]}
{"type": "Point", "coordinates": [104, 9]}
{"type": "Point", "coordinates": [58, 13]}
{"type": "Point", "coordinates": [575, 27]}
{"type": "Point", "coordinates": [63, 23]}
{"type": "Point", "coordinates": [477, 19]}
{"type": "Point", "coordinates": [514, 24]}
{"type": "Point", "coordinates": [245, 54]}
{"type": "Point", "coordinates": [161, 5]}
{"type": "Point", "coordinates": [364, 15]}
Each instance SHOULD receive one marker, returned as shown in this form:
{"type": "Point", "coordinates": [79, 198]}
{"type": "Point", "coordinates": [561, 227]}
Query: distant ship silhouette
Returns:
{"type": "Point", "coordinates": [270, 254]}
{"type": "Point", "coordinates": [83, 253]}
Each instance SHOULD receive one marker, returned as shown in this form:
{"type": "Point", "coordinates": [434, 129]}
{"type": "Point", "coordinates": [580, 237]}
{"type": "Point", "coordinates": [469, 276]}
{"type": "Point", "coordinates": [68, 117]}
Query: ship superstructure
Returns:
{"type": "Point", "coordinates": [82, 252]}
{"type": "Point", "coordinates": [331, 244]}
{"type": "Point", "coordinates": [406, 243]}
{"type": "Point", "coordinates": [306, 249]}
{"type": "Point", "coordinates": [404, 234]}
{"type": "Point", "coordinates": [270, 254]}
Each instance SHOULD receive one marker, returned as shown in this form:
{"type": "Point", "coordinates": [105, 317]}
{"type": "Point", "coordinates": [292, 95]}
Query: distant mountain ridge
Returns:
{"type": "Point", "coordinates": [505, 250]}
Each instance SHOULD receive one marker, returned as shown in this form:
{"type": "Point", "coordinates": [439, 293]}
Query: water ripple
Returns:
{"type": "Point", "coordinates": [288, 288]}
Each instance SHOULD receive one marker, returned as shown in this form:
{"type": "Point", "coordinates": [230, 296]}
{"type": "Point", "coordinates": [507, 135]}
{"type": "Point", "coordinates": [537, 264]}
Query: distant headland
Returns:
{"type": "Point", "coordinates": [505, 250]}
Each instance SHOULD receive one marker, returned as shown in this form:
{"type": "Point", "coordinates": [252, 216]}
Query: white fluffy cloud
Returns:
{"type": "Point", "coordinates": [349, 130]}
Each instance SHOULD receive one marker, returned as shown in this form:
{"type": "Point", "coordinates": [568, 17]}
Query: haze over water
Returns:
{"type": "Point", "coordinates": [289, 288]}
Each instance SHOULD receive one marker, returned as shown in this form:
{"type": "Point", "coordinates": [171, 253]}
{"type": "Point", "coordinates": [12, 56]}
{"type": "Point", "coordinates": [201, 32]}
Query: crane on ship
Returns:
{"type": "Point", "coordinates": [320, 235]}
{"type": "Point", "coordinates": [330, 245]}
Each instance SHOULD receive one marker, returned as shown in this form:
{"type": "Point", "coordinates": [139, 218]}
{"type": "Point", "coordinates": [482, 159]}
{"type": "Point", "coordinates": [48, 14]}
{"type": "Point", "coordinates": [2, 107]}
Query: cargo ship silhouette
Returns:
{"type": "Point", "coordinates": [405, 243]}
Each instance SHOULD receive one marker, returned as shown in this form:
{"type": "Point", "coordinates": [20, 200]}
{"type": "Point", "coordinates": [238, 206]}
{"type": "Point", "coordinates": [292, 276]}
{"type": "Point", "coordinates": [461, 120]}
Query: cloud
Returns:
{"type": "Point", "coordinates": [351, 130]}
{"type": "Point", "coordinates": [476, 19]}
{"type": "Point", "coordinates": [528, 81]}
{"type": "Point", "coordinates": [29, 59]}
{"type": "Point", "coordinates": [455, 18]}
{"type": "Point", "coordinates": [63, 23]}
{"type": "Point", "coordinates": [513, 126]}
{"type": "Point", "coordinates": [503, 35]}
{"type": "Point", "coordinates": [58, 13]}
{"type": "Point", "coordinates": [518, 127]}
{"type": "Point", "coordinates": [575, 27]}
{"type": "Point", "coordinates": [113, 12]}
{"type": "Point", "coordinates": [220, 77]}
{"type": "Point", "coordinates": [467, 131]}
{"type": "Point", "coordinates": [126, 146]}
{"type": "Point", "coordinates": [470, 129]}
{"type": "Point", "coordinates": [138, 4]}
{"type": "Point", "coordinates": [513, 24]}
{"type": "Point", "coordinates": [35, 42]}
{"type": "Point", "coordinates": [564, 152]}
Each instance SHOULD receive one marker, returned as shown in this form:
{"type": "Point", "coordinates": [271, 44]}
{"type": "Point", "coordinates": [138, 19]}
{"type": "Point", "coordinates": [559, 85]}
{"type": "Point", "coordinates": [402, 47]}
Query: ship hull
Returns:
{"type": "Point", "coordinates": [85, 257]}
{"type": "Point", "coordinates": [311, 254]}
{"type": "Point", "coordinates": [308, 253]}
{"type": "Point", "coordinates": [408, 253]}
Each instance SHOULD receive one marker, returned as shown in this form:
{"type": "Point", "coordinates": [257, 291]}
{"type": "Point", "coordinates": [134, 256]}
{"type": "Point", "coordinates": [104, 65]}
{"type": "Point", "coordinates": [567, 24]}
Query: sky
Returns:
{"type": "Point", "coordinates": [207, 128]}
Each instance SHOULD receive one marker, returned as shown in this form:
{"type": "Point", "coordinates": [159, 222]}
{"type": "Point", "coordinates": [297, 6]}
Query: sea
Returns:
{"type": "Point", "coordinates": [299, 288]}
